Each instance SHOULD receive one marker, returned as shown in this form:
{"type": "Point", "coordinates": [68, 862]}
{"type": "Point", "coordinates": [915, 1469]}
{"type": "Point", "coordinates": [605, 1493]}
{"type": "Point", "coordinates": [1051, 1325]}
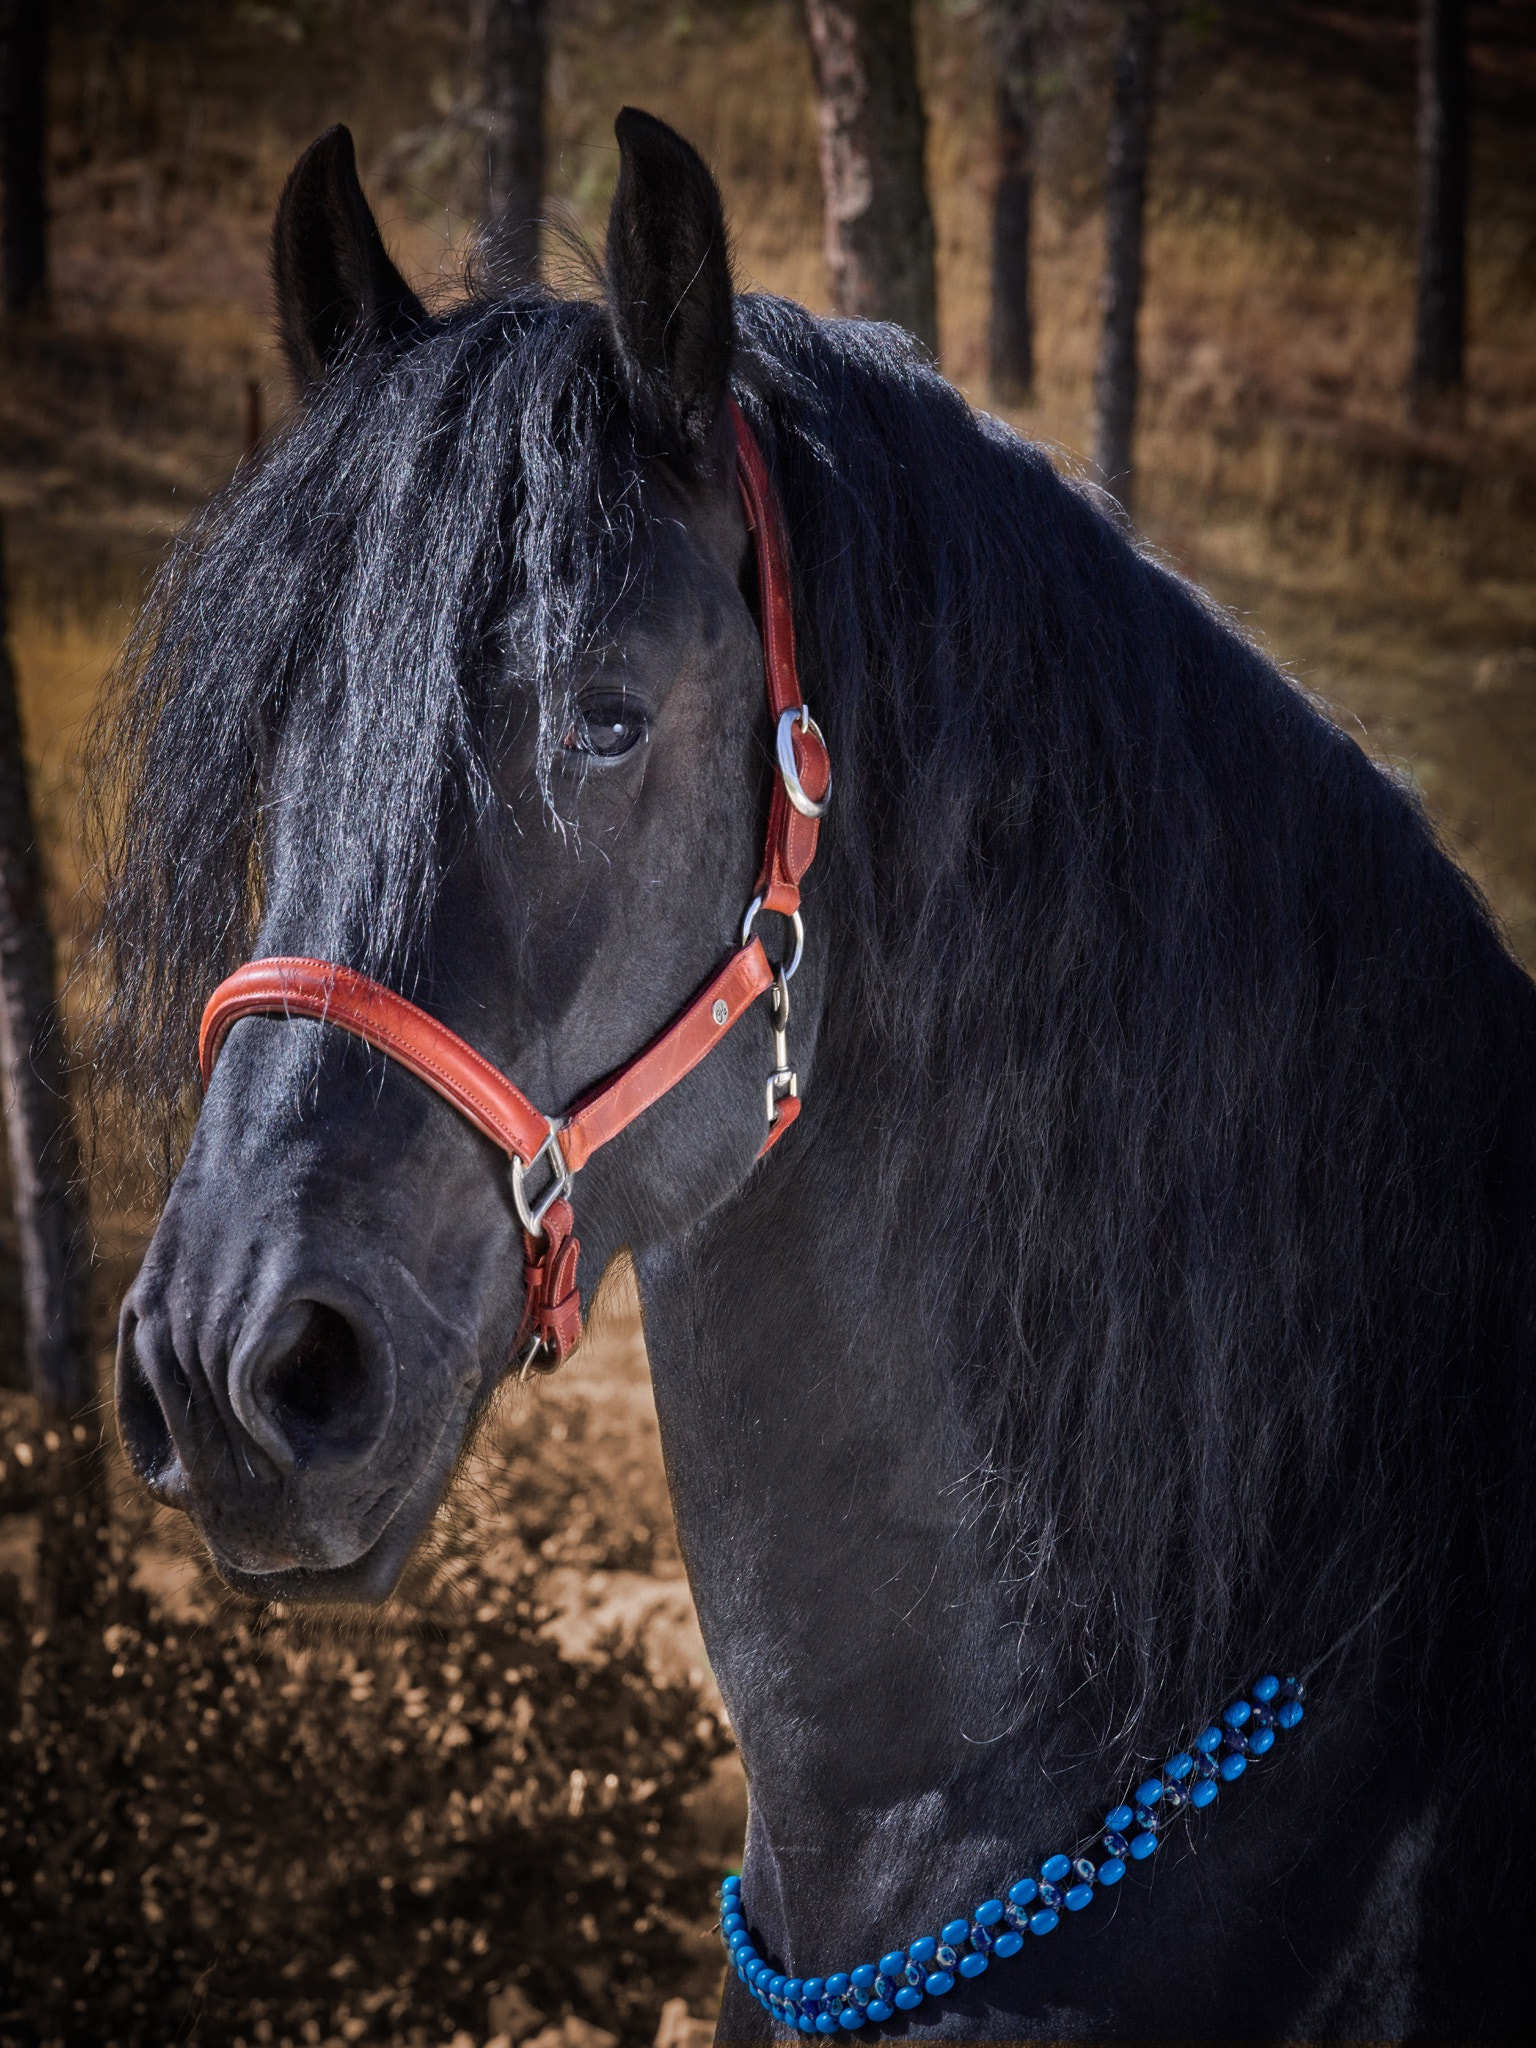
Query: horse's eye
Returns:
{"type": "Point", "coordinates": [606, 728]}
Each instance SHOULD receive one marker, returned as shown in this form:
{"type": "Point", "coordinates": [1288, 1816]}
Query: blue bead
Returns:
{"type": "Point", "coordinates": [1148, 1817]}
{"type": "Point", "coordinates": [1178, 1766]}
{"type": "Point", "coordinates": [945, 1955]}
{"type": "Point", "coordinates": [1078, 1897]}
{"type": "Point", "coordinates": [886, 1984]}
{"type": "Point", "coordinates": [1055, 1868]}
{"type": "Point", "coordinates": [1149, 1791]}
{"type": "Point", "coordinates": [793, 1986]}
{"type": "Point", "coordinates": [837, 1984]}
{"type": "Point", "coordinates": [924, 1950]}
{"type": "Point", "coordinates": [1288, 1713]}
{"type": "Point", "coordinates": [880, 2010]}
{"type": "Point", "coordinates": [861, 1994]}
{"type": "Point", "coordinates": [1175, 1799]}
{"type": "Point", "coordinates": [1261, 1742]}
{"type": "Point", "coordinates": [1236, 1742]}
{"type": "Point", "coordinates": [776, 1987]}
{"type": "Point", "coordinates": [1236, 1714]}
{"type": "Point", "coordinates": [1016, 1916]}
{"type": "Point", "coordinates": [731, 1922]}
{"type": "Point", "coordinates": [940, 1982]}
{"type": "Point", "coordinates": [826, 2023]}
{"type": "Point", "coordinates": [1111, 1870]}
{"type": "Point", "coordinates": [1115, 1842]}
{"type": "Point", "coordinates": [1265, 1688]}
{"type": "Point", "coordinates": [1118, 1819]}
{"type": "Point", "coordinates": [1008, 1944]}
{"type": "Point", "coordinates": [988, 1912]}
{"type": "Point", "coordinates": [954, 1931]}
{"type": "Point", "coordinates": [806, 2024]}
{"type": "Point", "coordinates": [1143, 1844]}
{"type": "Point", "coordinates": [1050, 1895]}
{"type": "Point", "coordinates": [1041, 1923]}
{"type": "Point", "coordinates": [863, 1977]}
{"type": "Point", "coordinates": [1203, 1794]}
{"type": "Point", "coordinates": [1023, 1892]}
{"type": "Point", "coordinates": [914, 1974]}
{"type": "Point", "coordinates": [972, 1966]}
{"type": "Point", "coordinates": [1208, 1739]}
{"type": "Point", "coordinates": [981, 1938]}
{"type": "Point", "coordinates": [893, 1962]}
{"type": "Point", "coordinates": [813, 1987]}
{"type": "Point", "coordinates": [731, 1882]}
{"type": "Point", "coordinates": [851, 2017]}
{"type": "Point", "coordinates": [908, 1997]}
{"type": "Point", "coordinates": [1263, 1717]}
{"type": "Point", "coordinates": [1205, 1765]}
{"type": "Point", "coordinates": [1233, 1766]}
{"type": "Point", "coordinates": [1292, 1688]}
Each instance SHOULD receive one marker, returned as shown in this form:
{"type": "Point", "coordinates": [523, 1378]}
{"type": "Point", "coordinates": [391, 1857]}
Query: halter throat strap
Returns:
{"type": "Point", "coordinates": [325, 992]}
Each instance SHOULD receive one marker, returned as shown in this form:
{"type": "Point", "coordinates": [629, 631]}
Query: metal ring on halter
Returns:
{"type": "Point", "coordinates": [532, 1218]}
{"type": "Point", "coordinates": [794, 789]}
{"type": "Point", "coordinates": [795, 920]}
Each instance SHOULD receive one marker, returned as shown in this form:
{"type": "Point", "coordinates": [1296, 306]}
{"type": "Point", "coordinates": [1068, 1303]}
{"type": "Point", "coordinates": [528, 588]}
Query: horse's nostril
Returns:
{"type": "Point", "coordinates": [318, 1390]}
{"type": "Point", "coordinates": [140, 1418]}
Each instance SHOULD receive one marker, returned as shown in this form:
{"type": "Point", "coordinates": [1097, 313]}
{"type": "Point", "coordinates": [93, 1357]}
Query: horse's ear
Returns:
{"type": "Point", "coordinates": [669, 280]}
{"type": "Point", "coordinates": [336, 287]}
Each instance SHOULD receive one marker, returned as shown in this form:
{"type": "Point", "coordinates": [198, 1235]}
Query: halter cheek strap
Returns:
{"type": "Point", "coordinates": [559, 1147]}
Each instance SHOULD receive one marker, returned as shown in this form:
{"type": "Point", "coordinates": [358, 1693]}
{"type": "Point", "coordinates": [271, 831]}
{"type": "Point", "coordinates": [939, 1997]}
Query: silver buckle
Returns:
{"type": "Point", "coordinates": [797, 925]}
{"type": "Point", "coordinates": [532, 1218]}
{"type": "Point", "coordinates": [794, 789]}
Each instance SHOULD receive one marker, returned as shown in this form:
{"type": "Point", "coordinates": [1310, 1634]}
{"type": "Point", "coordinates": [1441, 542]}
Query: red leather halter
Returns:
{"type": "Point", "coordinates": [331, 994]}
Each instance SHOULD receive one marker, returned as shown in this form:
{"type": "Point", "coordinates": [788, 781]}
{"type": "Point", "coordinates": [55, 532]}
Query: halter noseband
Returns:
{"type": "Point", "coordinates": [331, 994]}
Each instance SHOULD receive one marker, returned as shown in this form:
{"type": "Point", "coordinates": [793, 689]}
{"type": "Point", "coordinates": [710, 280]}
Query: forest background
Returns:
{"type": "Point", "coordinates": [497, 1808]}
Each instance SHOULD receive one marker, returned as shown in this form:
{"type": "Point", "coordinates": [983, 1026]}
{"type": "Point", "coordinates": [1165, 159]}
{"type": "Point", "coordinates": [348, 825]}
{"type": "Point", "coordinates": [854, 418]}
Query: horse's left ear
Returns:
{"type": "Point", "coordinates": [669, 281]}
{"type": "Point", "coordinates": [336, 287]}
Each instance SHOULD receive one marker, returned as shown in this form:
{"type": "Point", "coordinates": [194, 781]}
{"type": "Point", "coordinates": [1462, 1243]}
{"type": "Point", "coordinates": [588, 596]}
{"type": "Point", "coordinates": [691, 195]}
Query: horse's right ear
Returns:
{"type": "Point", "coordinates": [336, 287]}
{"type": "Point", "coordinates": [669, 281]}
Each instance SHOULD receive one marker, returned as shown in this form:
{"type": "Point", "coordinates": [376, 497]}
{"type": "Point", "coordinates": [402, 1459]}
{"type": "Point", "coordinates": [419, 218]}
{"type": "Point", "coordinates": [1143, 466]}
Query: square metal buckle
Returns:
{"type": "Point", "coordinates": [532, 1215]}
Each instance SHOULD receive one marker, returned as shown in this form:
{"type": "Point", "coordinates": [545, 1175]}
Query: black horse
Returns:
{"type": "Point", "coordinates": [1144, 1297]}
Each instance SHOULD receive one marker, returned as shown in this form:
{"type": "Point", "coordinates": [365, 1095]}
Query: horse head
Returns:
{"type": "Point", "coordinates": [495, 732]}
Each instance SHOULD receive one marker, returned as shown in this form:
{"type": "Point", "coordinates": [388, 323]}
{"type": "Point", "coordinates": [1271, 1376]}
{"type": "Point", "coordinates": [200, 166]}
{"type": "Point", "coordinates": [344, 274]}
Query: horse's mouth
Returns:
{"type": "Point", "coordinates": [367, 1580]}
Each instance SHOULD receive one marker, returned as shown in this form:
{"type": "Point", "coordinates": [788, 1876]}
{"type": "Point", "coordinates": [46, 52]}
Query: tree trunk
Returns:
{"type": "Point", "coordinates": [24, 151]}
{"type": "Point", "coordinates": [879, 231]}
{"type": "Point", "coordinates": [1440, 323]}
{"type": "Point", "coordinates": [1011, 335]}
{"type": "Point", "coordinates": [1125, 201]}
{"type": "Point", "coordinates": [44, 1154]}
{"type": "Point", "coordinates": [516, 52]}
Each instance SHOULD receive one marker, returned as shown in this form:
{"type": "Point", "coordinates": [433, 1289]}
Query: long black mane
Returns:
{"type": "Point", "coordinates": [1194, 1078]}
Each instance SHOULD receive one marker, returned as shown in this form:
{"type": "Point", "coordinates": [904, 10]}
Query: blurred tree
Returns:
{"type": "Point", "coordinates": [1125, 199]}
{"type": "Point", "coordinates": [516, 53]}
{"type": "Point", "coordinates": [44, 1153]}
{"type": "Point", "coordinates": [879, 230]}
{"type": "Point", "coordinates": [1437, 385]}
{"type": "Point", "coordinates": [1010, 335]}
{"type": "Point", "coordinates": [24, 151]}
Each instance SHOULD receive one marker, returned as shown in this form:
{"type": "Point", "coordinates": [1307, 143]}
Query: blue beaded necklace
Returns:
{"type": "Point", "coordinates": [928, 1967]}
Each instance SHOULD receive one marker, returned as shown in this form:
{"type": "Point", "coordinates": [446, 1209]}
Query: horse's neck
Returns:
{"type": "Point", "coordinates": [837, 1543]}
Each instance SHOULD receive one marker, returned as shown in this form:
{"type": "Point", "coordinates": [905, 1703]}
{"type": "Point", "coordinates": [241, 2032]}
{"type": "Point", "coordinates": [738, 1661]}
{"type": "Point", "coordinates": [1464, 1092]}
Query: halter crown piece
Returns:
{"type": "Point", "coordinates": [558, 1147]}
{"type": "Point", "coordinates": [1065, 1883]}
